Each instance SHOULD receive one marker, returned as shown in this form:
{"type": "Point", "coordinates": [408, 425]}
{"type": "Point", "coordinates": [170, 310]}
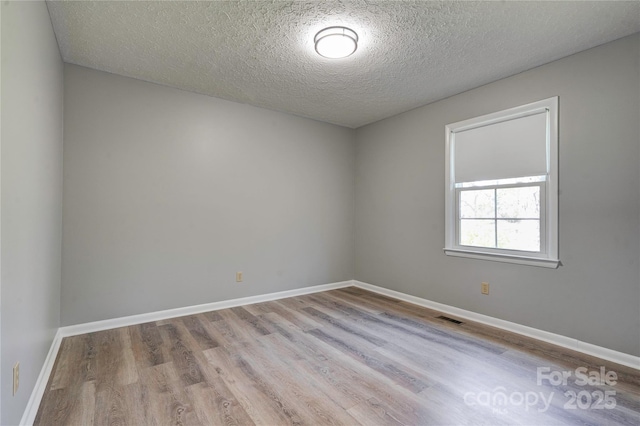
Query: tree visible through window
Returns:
{"type": "Point", "coordinates": [507, 218]}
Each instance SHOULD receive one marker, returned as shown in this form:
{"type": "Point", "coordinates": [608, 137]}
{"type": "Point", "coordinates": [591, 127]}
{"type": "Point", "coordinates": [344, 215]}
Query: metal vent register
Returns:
{"type": "Point", "coordinates": [455, 321]}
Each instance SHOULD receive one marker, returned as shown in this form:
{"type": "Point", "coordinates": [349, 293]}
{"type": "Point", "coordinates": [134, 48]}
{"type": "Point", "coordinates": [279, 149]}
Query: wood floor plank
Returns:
{"type": "Point", "coordinates": [212, 316]}
{"type": "Point", "coordinates": [293, 316]}
{"type": "Point", "coordinates": [147, 344]}
{"type": "Point", "coordinates": [385, 302]}
{"type": "Point", "coordinates": [344, 356]}
{"type": "Point", "coordinates": [70, 356]}
{"type": "Point", "coordinates": [368, 413]}
{"type": "Point", "coordinates": [414, 327]}
{"type": "Point", "coordinates": [59, 408]}
{"type": "Point", "coordinates": [230, 330]}
{"type": "Point", "coordinates": [110, 406]}
{"type": "Point", "coordinates": [111, 363]}
{"type": "Point", "coordinates": [307, 399]}
{"type": "Point", "coordinates": [194, 324]}
{"type": "Point", "coordinates": [182, 353]}
{"type": "Point", "coordinates": [136, 404]}
{"type": "Point", "coordinates": [296, 336]}
{"type": "Point", "coordinates": [258, 327]}
{"type": "Point", "coordinates": [127, 371]}
{"type": "Point", "coordinates": [400, 374]}
{"type": "Point", "coordinates": [215, 404]}
{"type": "Point", "coordinates": [357, 380]}
{"type": "Point", "coordinates": [449, 408]}
{"type": "Point", "coordinates": [360, 303]}
{"type": "Point", "coordinates": [259, 308]}
{"type": "Point", "coordinates": [346, 327]}
{"type": "Point", "coordinates": [329, 381]}
{"type": "Point", "coordinates": [262, 403]}
{"type": "Point", "coordinates": [349, 383]}
{"type": "Point", "coordinates": [87, 405]}
{"type": "Point", "coordinates": [165, 390]}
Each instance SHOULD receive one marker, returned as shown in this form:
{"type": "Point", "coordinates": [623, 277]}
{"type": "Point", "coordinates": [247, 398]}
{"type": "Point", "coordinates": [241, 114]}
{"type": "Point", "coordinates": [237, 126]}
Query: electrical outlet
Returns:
{"type": "Point", "coordinates": [16, 377]}
{"type": "Point", "coordinates": [238, 277]}
{"type": "Point", "coordinates": [484, 288]}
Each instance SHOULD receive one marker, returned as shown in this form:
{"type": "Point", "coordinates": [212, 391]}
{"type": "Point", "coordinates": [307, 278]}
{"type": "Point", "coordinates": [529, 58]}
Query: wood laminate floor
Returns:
{"type": "Point", "coordinates": [340, 357]}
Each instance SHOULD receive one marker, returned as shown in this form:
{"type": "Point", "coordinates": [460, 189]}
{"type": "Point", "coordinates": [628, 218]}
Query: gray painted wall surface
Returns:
{"type": "Point", "coordinates": [595, 295]}
{"type": "Point", "coordinates": [32, 80]}
{"type": "Point", "coordinates": [168, 193]}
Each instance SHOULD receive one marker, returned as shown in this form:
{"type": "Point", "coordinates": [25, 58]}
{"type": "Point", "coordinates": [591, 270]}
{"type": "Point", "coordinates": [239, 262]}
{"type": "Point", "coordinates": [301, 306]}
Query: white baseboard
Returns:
{"type": "Point", "coordinates": [90, 327]}
{"type": "Point", "coordinates": [556, 339]}
{"type": "Point", "coordinates": [38, 391]}
{"type": "Point", "coordinates": [73, 330]}
{"type": "Point", "coordinates": [41, 383]}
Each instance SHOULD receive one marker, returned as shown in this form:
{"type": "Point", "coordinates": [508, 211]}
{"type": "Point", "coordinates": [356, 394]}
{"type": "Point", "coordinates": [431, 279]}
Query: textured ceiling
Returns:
{"type": "Point", "coordinates": [261, 52]}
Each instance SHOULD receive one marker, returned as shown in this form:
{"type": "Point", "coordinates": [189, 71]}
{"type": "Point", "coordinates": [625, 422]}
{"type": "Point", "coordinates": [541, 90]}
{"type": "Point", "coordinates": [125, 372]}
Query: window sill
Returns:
{"type": "Point", "coordinates": [496, 257]}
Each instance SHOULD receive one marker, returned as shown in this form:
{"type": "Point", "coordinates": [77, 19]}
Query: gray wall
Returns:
{"type": "Point", "coordinates": [595, 295]}
{"type": "Point", "coordinates": [32, 79]}
{"type": "Point", "coordinates": [168, 193]}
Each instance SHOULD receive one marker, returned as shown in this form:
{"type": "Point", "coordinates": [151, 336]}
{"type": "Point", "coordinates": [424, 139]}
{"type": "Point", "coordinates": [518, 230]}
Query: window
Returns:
{"type": "Point", "coordinates": [502, 186]}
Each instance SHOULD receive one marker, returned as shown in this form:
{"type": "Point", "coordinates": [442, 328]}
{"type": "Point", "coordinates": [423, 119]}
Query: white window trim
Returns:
{"type": "Point", "coordinates": [549, 256]}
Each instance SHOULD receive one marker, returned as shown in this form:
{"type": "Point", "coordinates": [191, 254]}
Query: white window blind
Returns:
{"type": "Point", "coordinates": [507, 149]}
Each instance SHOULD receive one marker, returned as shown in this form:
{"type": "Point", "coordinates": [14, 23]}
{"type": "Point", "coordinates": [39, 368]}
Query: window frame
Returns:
{"type": "Point", "coordinates": [548, 256]}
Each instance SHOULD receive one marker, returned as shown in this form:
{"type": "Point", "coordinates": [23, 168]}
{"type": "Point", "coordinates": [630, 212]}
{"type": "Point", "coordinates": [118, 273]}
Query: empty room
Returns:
{"type": "Point", "coordinates": [320, 212]}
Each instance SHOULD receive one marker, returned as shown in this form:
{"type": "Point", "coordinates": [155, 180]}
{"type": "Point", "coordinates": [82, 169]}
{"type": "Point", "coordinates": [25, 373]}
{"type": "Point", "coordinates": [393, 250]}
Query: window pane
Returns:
{"type": "Point", "coordinates": [519, 203]}
{"type": "Point", "coordinates": [477, 233]}
{"type": "Point", "coordinates": [519, 235]}
{"type": "Point", "coordinates": [477, 204]}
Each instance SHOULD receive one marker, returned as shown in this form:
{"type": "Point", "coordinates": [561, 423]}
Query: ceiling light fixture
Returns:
{"type": "Point", "coordinates": [336, 42]}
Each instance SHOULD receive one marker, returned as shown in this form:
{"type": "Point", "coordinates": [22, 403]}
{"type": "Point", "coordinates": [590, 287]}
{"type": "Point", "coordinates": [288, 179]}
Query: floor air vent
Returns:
{"type": "Point", "coordinates": [455, 321]}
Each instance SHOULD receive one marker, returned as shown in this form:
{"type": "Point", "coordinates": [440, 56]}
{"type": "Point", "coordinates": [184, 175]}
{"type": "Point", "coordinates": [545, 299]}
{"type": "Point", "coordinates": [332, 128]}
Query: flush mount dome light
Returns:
{"type": "Point", "coordinates": [336, 42]}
